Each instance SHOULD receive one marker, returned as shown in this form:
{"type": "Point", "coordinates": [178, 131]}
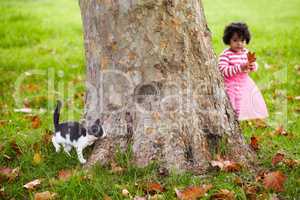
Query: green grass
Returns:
{"type": "Point", "coordinates": [47, 36]}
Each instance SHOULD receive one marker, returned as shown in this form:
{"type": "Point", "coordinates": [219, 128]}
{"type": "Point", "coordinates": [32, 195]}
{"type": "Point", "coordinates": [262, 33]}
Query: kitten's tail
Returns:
{"type": "Point", "coordinates": [56, 114]}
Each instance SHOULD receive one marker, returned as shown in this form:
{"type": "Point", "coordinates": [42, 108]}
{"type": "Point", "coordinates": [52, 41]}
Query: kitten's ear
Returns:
{"type": "Point", "coordinates": [97, 121]}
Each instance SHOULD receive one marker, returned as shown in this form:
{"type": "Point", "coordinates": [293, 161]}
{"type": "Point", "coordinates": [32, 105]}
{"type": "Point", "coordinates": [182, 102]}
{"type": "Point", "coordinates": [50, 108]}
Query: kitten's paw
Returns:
{"type": "Point", "coordinates": [83, 161]}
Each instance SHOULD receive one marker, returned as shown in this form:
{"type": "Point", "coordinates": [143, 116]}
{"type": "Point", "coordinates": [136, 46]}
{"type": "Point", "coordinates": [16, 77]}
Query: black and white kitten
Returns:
{"type": "Point", "coordinates": [74, 134]}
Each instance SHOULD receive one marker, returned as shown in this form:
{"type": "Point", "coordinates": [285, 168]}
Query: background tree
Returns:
{"type": "Point", "coordinates": [152, 78]}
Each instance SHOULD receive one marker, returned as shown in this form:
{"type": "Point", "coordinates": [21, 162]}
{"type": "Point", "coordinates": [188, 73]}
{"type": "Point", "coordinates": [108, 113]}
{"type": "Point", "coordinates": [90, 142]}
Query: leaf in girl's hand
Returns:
{"type": "Point", "coordinates": [251, 57]}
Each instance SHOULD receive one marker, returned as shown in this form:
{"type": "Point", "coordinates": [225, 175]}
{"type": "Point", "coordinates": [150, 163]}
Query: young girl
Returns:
{"type": "Point", "coordinates": [245, 97]}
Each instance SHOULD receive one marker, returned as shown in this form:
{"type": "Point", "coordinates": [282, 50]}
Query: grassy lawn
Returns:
{"type": "Point", "coordinates": [41, 47]}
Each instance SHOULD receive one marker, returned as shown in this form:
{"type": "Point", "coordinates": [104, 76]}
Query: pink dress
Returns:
{"type": "Point", "coordinates": [245, 97]}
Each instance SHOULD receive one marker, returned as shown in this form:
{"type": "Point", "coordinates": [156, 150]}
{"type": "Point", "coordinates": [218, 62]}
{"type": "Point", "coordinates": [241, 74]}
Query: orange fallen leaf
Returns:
{"type": "Point", "coordinates": [277, 158]}
{"type": "Point", "coordinates": [254, 143]}
{"type": "Point", "coordinates": [106, 197]}
{"type": "Point", "coordinates": [153, 188]}
{"type": "Point", "coordinates": [15, 147]}
{"type": "Point", "coordinates": [9, 174]}
{"type": "Point", "coordinates": [280, 131]}
{"type": "Point", "coordinates": [291, 163]}
{"type": "Point", "coordinates": [45, 195]}
{"type": "Point", "coordinates": [258, 123]}
{"type": "Point", "coordinates": [224, 194]}
{"type": "Point", "coordinates": [37, 158]}
{"type": "Point", "coordinates": [47, 137]}
{"type": "Point", "coordinates": [226, 165]}
{"type": "Point", "coordinates": [274, 181]}
{"type": "Point", "coordinates": [35, 122]}
{"type": "Point", "coordinates": [251, 191]}
{"type": "Point", "coordinates": [32, 184]}
{"type": "Point", "coordinates": [193, 192]}
{"type": "Point", "coordinates": [115, 167]}
{"type": "Point", "coordinates": [64, 174]}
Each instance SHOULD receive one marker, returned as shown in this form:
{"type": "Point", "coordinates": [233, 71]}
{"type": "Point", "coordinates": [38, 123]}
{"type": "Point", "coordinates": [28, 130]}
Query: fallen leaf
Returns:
{"type": "Point", "coordinates": [32, 184]}
{"type": "Point", "coordinates": [291, 163]}
{"type": "Point", "coordinates": [226, 165]}
{"type": "Point", "coordinates": [125, 192]}
{"type": "Point", "coordinates": [193, 192]}
{"type": "Point", "coordinates": [139, 198]}
{"type": "Point", "coordinates": [274, 181]}
{"type": "Point", "coordinates": [9, 174]}
{"type": "Point", "coordinates": [3, 194]}
{"type": "Point", "coordinates": [44, 195]}
{"type": "Point", "coordinates": [35, 122]}
{"type": "Point", "coordinates": [224, 194]}
{"type": "Point", "coordinates": [64, 174]}
{"type": "Point", "coordinates": [251, 191]}
{"type": "Point", "coordinates": [254, 143]}
{"type": "Point", "coordinates": [47, 137]}
{"type": "Point", "coordinates": [115, 167]}
{"type": "Point", "coordinates": [280, 131]}
{"type": "Point", "coordinates": [153, 188]}
{"type": "Point", "coordinates": [106, 197]}
{"type": "Point", "coordinates": [15, 147]}
{"type": "Point", "coordinates": [258, 123]}
{"type": "Point", "coordinates": [37, 158]}
{"type": "Point", "coordinates": [277, 158]}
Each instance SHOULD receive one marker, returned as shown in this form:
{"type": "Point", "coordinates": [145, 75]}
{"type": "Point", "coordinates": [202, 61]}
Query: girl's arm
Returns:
{"type": "Point", "coordinates": [228, 69]}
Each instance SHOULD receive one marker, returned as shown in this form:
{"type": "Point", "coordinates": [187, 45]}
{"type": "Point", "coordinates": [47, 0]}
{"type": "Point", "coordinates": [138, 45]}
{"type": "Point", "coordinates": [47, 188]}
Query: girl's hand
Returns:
{"type": "Point", "coordinates": [246, 67]}
{"type": "Point", "coordinates": [251, 65]}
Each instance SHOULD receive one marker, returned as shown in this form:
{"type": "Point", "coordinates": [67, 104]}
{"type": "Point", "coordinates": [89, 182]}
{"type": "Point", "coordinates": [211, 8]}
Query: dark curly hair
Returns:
{"type": "Point", "coordinates": [241, 29]}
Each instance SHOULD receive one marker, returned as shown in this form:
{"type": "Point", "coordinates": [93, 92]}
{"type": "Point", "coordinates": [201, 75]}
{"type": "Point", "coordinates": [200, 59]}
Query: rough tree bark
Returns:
{"type": "Point", "coordinates": [152, 79]}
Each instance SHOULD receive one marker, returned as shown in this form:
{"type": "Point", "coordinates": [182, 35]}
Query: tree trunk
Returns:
{"type": "Point", "coordinates": [152, 79]}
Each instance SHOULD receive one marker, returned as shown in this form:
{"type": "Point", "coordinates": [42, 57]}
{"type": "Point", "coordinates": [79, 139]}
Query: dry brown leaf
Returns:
{"type": "Point", "coordinates": [3, 194]}
{"type": "Point", "coordinates": [139, 198]}
{"type": "Point", "coordinates": [125, 193]}
{"type": "Point", "coordinates": [277, 158]}
{"type": "Point", "coordinates": [35, 122]}
{"type": "Point", "coordinates": [115, 168]}
{"type": "Point", "coordinates": [37, 158]}
{"type": "Point", "coordinates": [251, 191]}
{"type": "Point", "coordinates": [15, 147]}
{"type": "Point", "coordinates": [224, 194]}
{"type": "Point", "coordinates": [280, 131]}
{"type": "Point", "coordinates": [64, 174]}
{"type": "Point", "coordinates": [254, 143]}
{"type": "Point", "coordinates": [32, 184]}
{"type": "Point", "coordinates": [9, 174]}
{"type": "Point", "coordinates": [258, 123]}
{"type": "Point", "coordinates": [251, 57]}
{"type": "Point", "coordinates": [274, 181]}
{"type": "Point", "coordinates": [226, 165]}
{"type": "Point", "coordinates": [291, 163]}
{"type": "Point", "coordinates": [106, 197]}
{"type": "Point", "coordinates": [153, 188]}
{"type": "Point", "coordinates": [47, 137]}
{"type": "Point", "coordinates": [45, 195]}
{"type": "Point", "coordinates": [193, 192]}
